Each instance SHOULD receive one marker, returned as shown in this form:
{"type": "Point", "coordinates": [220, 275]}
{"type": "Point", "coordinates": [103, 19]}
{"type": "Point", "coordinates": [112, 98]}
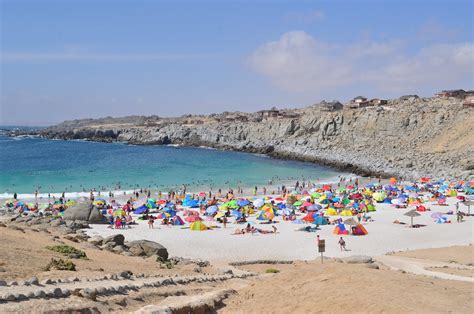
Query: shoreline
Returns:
{"type": "Point", "coordinates": [119, 194]}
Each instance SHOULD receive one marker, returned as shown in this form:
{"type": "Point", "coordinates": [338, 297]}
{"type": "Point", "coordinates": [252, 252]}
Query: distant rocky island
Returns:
{"type": "Point", "coordinates": [407, 137]}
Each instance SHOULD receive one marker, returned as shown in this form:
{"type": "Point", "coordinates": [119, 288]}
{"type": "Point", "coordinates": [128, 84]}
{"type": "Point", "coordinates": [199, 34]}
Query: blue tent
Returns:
{"type": "Point", "coordinates": [191, 203]}
{"type": "Point", "coordinates": [170, 211]}
{"type": "Point", "coordinates": [319, 220]}
{"type": "Point", "coordinates": [140, 210]}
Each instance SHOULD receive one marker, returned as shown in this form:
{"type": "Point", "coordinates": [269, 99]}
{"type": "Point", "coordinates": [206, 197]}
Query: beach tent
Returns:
{"type": "Point", "coordinates": [420, 208]}
{"type": "Point", "coordinates": [298, 221]}
{"type": "Point", "coordinates": [331, 212]}
{"type": "Point", "coordinates": [309, 217]}
{"type": "Point", "coordinates": [359, 230]}
{"type": "Point", "coordinates": [319, 220]}
{"type": "Point", "coordinates": [198, 226]}
{"type": "Point", "coordinates": [169, 211]}
{"type": "Point", "coordinates": [141, 210]}
{"type": "Point", "coordinates": [340, 229]}
{"type": "Point", "coordinates": [178, 221]}
{"type": "Point", "coordinates": [370, 208]}
{"type": "Point", "coordinates": [346, 212]}
{"type": "Point", "coordinates": [192, 218]}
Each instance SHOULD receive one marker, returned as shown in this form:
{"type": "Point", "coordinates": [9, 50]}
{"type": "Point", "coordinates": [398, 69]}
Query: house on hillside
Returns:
{"type": "Point", "coordinates": [378, 102]}
{"type": "Point", "coordinates": [272, 113]}
{"type": "Point", "coordinates": [455, 93]}
{"type": "Point", "coordinates": [359, 102]}
{"type": "Point", "coordinates": [469, 101]}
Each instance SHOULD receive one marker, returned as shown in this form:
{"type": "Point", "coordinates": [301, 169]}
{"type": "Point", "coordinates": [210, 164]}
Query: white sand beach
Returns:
{"type": "Point", "coordinates": [383, 236]}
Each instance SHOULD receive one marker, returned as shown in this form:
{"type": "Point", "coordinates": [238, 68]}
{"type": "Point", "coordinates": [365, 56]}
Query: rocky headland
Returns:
{"type": "Point", "coordinates": [408, 137]}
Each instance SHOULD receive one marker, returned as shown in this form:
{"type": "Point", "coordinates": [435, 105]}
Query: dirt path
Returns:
{"type": "Point", "coordinates": [419, 267]}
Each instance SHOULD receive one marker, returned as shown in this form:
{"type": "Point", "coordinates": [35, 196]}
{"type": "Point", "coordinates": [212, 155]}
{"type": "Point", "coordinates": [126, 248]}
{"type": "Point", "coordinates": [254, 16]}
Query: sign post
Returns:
{"type": "Point", "coordinates": [321, 248]}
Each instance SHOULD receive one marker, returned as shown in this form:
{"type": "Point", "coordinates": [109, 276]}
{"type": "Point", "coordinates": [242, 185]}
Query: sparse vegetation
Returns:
{"type": "Point", "coordinates": [272, 271]}
{"type": "Point", "coordinates": [165, 263]}
{"type": "Point", "coordinates": [60, 264]}
{"type": "Point", "coordinates": [68, 251]}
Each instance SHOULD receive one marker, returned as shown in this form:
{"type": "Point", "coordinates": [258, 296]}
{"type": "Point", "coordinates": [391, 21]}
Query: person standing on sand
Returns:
{"type": "Point", "coordinates": [151, 221]}
{"type": "Point", "coordinates": [224, 221]}
{"type": "Point", "coordinates": [342, 244]}
{"type": "Point", "coordinates": [255, 191]}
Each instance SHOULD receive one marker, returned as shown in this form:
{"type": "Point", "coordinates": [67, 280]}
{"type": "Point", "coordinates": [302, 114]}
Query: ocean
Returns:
{"type": "Point", "coordinates": [54, 166]}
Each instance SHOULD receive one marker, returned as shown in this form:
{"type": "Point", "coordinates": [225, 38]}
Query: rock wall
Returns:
{"type": "Point", "coordinates": [409, 138]}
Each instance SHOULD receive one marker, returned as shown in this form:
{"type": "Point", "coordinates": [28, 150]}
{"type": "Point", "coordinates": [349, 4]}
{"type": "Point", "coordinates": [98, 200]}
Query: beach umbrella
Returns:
{"type": "Point", "coordinates": [379, 196]}
{"type": "Point", "coordinates": [118, 212]}
{"type": "Point", "coordinates": [314, 208]}
{"type": "Point", "coordinates": [243, 203]}
{"type": "Point", "coordinates": [236, 214]}
{"type": "Point", "coordinates": [351, 222]}
{"type": "Point", "coordinates": [211, 210]}
{"type": "Point", "coordinates": [202, 194]}
{"type": "Point", "coordinates": [298, 203]}
{"type": "Point", "coordinates": [436, 215]}
{"type": "Point", "coordinates": [412, 213]}
{"type": "Point", "coordinates": [258, 203]}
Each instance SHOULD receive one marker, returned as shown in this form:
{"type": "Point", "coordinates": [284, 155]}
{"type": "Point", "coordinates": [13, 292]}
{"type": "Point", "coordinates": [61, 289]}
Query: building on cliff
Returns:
{"type": "Point", "coordinates": [378, 102]}
{"type": "Point", "coordinates": [359, 102]}
{"type": "Point", "coordinates": [469, 101]}
{"type": "Point", "coordinates": [455, 93]}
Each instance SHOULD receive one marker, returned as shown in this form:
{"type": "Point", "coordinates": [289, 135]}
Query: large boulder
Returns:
{"type": "Point", "coordinates": [117, 239]}
{"type": "Point", "coordinates": [84, 212]}
{"type": "Point", "coordinates": [147, 248]}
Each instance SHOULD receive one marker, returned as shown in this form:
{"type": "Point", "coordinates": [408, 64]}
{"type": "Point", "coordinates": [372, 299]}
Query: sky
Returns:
{"type": "Point", "coordinates": [71, 59]}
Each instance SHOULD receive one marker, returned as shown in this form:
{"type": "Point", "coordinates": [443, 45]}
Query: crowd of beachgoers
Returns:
{"type": "Point", "coordinates": [305, 203]}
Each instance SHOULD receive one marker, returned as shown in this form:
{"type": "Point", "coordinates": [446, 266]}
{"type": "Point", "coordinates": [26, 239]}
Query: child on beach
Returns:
{"type": "Point", "coordinates": [151, 221]}
{"type": "Point", "coordinates": [342, 244]}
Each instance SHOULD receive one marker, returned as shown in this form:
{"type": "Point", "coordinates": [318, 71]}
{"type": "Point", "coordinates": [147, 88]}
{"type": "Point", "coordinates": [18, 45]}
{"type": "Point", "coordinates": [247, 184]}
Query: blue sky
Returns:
{"type": "Point", "coordinates": [78, 59]}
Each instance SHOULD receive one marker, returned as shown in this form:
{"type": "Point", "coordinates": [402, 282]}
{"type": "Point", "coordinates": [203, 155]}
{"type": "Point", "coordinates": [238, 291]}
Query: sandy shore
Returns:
{"type": "Point", "coordinates": [300, 287]}
{"type": "Point", "coordinates": [384, 236]}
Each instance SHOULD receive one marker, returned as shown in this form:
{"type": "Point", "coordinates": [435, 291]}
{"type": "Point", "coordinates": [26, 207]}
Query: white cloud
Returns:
{"type": "Point", "coordinates": [297, 62]}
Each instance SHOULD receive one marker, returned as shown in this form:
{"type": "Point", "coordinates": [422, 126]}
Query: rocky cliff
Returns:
{"type": "Point", "coordinates": [407, 137]}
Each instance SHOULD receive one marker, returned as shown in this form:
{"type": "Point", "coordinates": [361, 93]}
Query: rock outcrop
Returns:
{"type": "Point", "coordinates": [84, 212]}
{"type": "Point", "coordinates": [409, 137]}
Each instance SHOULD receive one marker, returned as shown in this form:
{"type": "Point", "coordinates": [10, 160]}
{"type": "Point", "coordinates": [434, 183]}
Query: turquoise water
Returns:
{"type": "Point", "coordinates": [27, 164]}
